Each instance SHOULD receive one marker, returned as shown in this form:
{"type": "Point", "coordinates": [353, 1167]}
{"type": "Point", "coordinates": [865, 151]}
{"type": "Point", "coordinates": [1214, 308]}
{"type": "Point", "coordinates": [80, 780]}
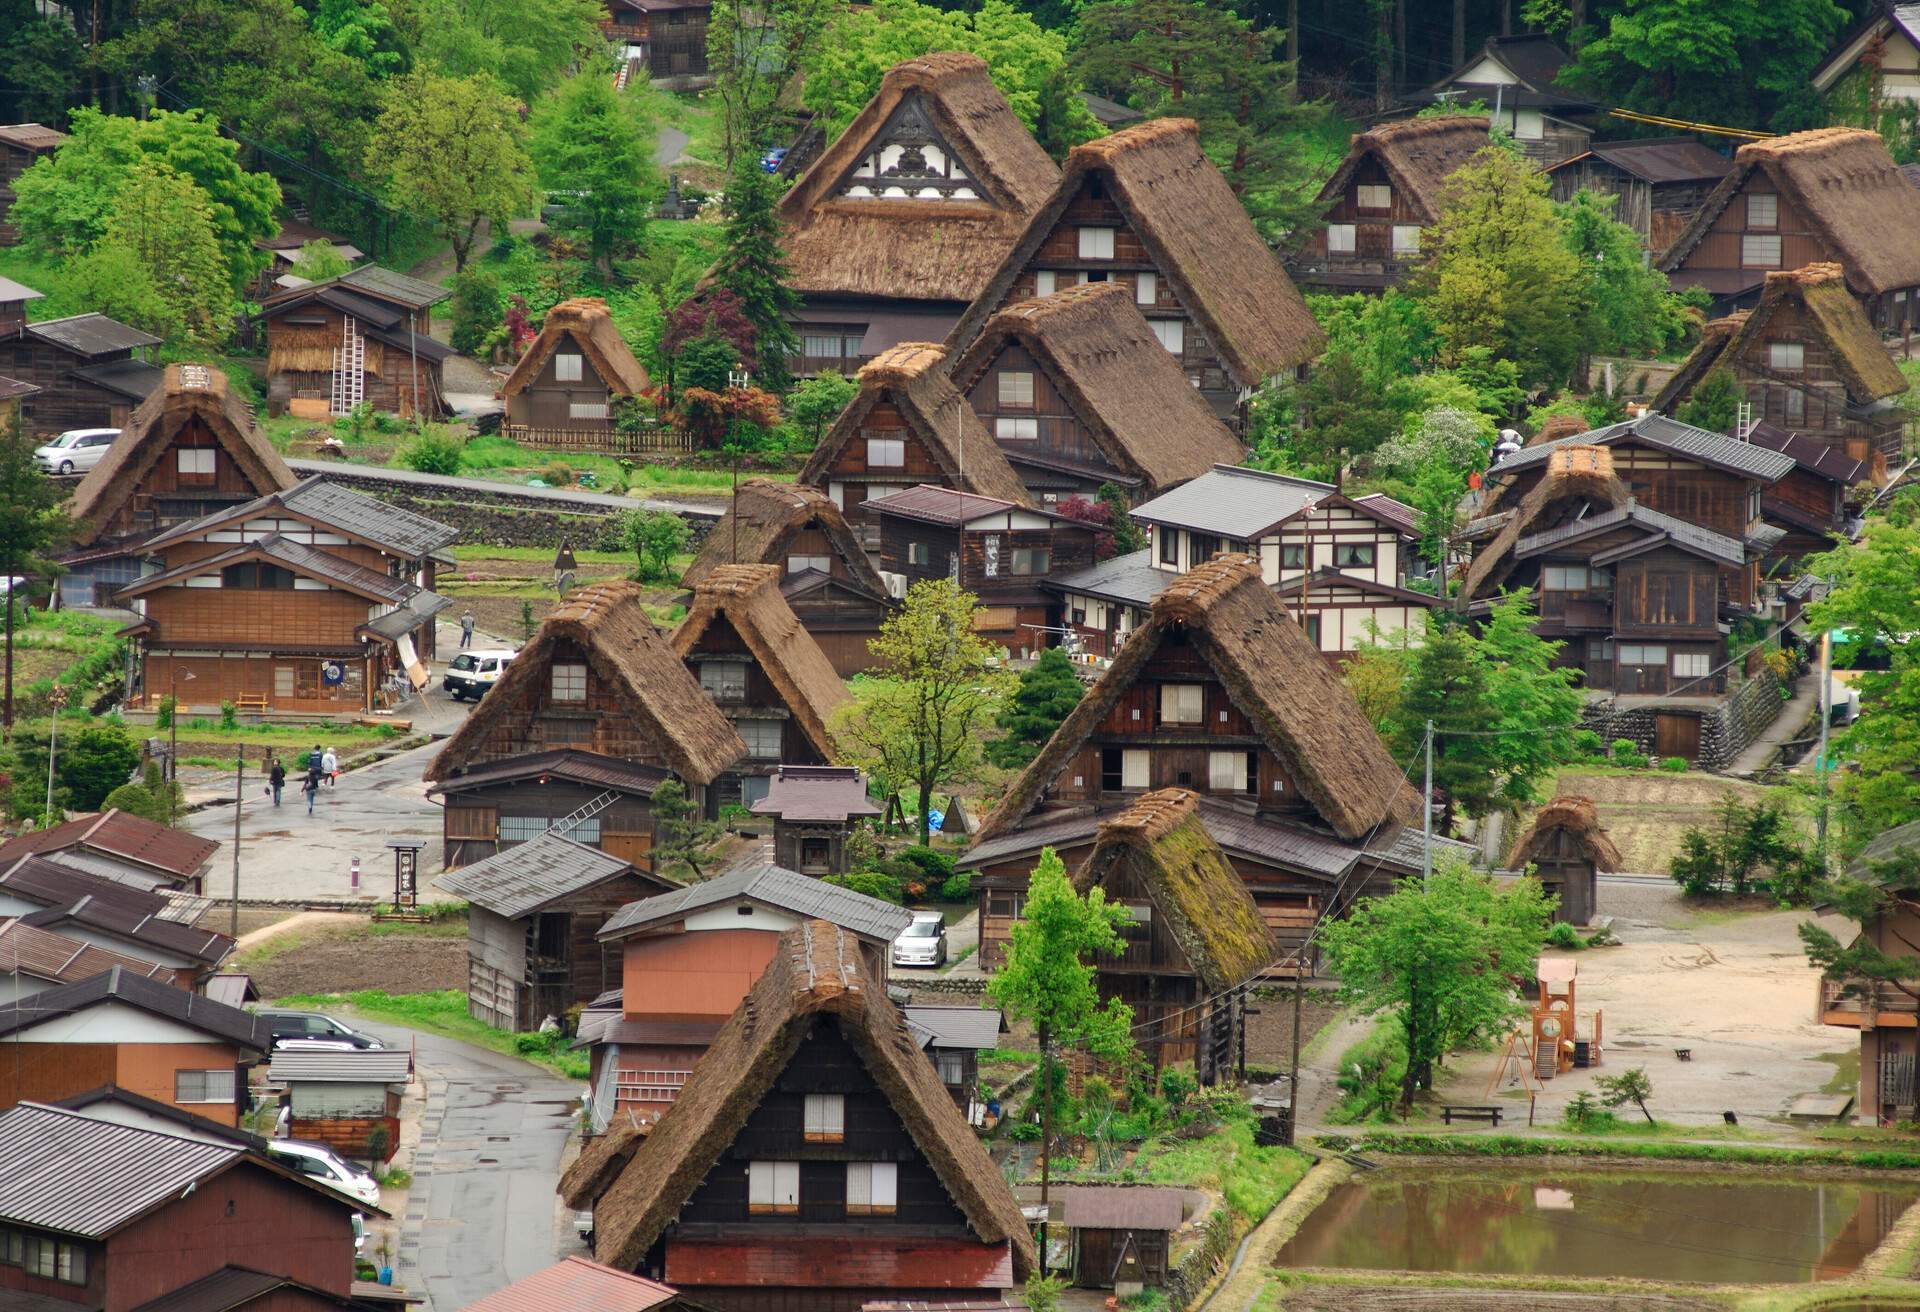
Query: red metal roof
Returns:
{"type": "Point", "coordinates": [816, 1263]}
{"type": "Point", "coordinates": [144, 842]}
{"type": "Point", "coordinates": [575, 1284]}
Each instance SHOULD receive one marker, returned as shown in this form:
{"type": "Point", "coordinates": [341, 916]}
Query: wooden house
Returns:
{"type": "Point", "coordinates": [566, 387]}
{"type": "Point", "coordinates": [1146, 207]}
{"type": "Point", "coordinates": [765, 672]}
{"type": "Point", "coordinates": [311, 599]}
{"type": "Point", "coordinates": [283, 252]}
{"type": "Point", "coordinates": [1516, 80]}
{"type": "Point", "coordinates": [690, 956]}
{"type": "Point", "coordinates": [906, 427]}
{"type": "Point", "coordinates": [39, 959]}
{"type": "Point", "coordinates": [1811, 504]}
{"type": "Point", "coordinates": [1808, 361]}
{"type": "Point", "coordinates": [578, 1284]}
{"type": "Point", "coordinates": [87, 369]}
{"type": "Point", "coordinates": [814, 1160]}
{"type": "Point", "coordinates": [997, 550]}
{"type": "Point", "coordinates": [1882, 48]}
{"type": "Point", "coordinates": [664, 41]}
{"type": "Point", "coordinates": [1194, 937]}
{"type": "Point", "coordinates": [30, 884]}
{"type": "Point", "coordinates": [534, 912]}
{"type": "Point", "coordinates": [1659, 184]}
{"type": "Point", "coordinates": [115, 1217]}
{"type": "Point", "coordinates": [125, 848]}
{"type": "Point", "coordinates": [365, 337]}
{"type": "Point", "coordinates": [1832, 195]}
{"type": "Point", "coordinates": [122, 1028]}
{"type": "Point", "coordinates": [1884, 1012]}
{"type": "Point", "coordinates": [22, 145]}
{"type": "Point", "coordinates": [590, 718]}
{"type": "Point", "coordinates": [349, 1101]}
{"type": "Point", "coordinates": [1566, 849]}
{"type": "Point", "coordinates": [1216, 691]}
{"type": "Point", "coordinates": [1102, 604]}
{"type": "Point", "coordinates": [898, 224]}
{"type": "Point", "coordinates": [826, 575]}
{"type": "Point", "coordinates": [190, 450]}
{"type": "Point", "coordinates": [953, 1039]}
{"type": "Point", "coordinates": [1380, 200]}
{"type": "Point", "coordinates": [814, 808]}
{"type": "Point", "coordinates": [1078, 392]}
{"type": "Point", "coordinates": [1120, 1236]}
{"type": "Point", "coordinates": [118, 919]}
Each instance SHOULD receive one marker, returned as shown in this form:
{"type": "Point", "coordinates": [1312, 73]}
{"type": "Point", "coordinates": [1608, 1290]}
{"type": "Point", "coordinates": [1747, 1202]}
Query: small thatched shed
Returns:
{"type": "Point", "coordinates": [1567, 849]}
{"type": "Point", "coordinates": [572, 373]}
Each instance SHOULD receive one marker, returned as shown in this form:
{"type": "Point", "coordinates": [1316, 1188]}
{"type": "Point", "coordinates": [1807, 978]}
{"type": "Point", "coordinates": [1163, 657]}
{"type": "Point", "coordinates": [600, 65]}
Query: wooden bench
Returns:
{"type": "Point", "coordinates": [1451, 1114]}
{"type": "Point", "coordinates": [250, 701]}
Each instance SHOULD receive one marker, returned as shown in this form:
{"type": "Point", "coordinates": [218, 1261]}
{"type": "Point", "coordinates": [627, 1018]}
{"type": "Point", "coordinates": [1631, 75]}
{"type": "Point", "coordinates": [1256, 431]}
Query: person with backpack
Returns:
{"type": "Point", "coordinates": [311, 786]}
{"type": "Point", "coordinates": [277, 779]}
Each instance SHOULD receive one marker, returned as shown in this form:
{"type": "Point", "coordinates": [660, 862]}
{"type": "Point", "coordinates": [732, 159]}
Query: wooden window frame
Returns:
{"type": "Point", "coordinates": [779, 1182]}
{"type": "Point", "coordinates": [823, 1118]}
{"type": "Point", "coordinates": [879, 1182]}
{"type": "Point", "coordinates": [567, 682]}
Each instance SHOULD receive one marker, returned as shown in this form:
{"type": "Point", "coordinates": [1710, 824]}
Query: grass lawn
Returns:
{"type": "Point", "coordinates": [1251, 1178]}
{"type": "Point", "coordinates": [541, 556]}
{"type": "Point", "coordinates": [445, 1013]}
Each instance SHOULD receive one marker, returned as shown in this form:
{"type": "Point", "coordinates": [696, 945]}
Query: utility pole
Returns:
{"type": "Point", "coordinates": [239, 778]}
{"type": "Point", "coordinates": [1426, 816]}
{"type": "Point", "coordinates": [1820, 763]}
{"type": "Point", "coordinates": [1293, 1065]}
{"type": "Point", "coordinates": [59, 699]}
{"type": "Point", "coordinates": [1046, 1137]}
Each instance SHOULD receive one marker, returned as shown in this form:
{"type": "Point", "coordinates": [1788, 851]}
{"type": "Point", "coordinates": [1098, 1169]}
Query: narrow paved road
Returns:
{"type": "Point", "coordinates": [480, 1212]}
{"type": "Point", "coordinates": [669, 146]}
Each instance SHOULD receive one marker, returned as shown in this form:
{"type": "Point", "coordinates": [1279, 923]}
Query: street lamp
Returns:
{"type": "Point", "coordinates": [737, 380]}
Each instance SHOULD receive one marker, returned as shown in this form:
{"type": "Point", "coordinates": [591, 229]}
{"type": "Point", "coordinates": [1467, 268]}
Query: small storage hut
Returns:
{"type": "Point", "coordinates": [1567, 848]}
{"type": "Point", "coordinates": [349, 1101]}
{"type": "Point", "coordinates": [562, 392]}
{"type": "Point", "coordinates": [1120, 1234]}
{"type": "Point", "coordinates": [533, 911]}
{"type": "Point", "coordinates": [814, 808]}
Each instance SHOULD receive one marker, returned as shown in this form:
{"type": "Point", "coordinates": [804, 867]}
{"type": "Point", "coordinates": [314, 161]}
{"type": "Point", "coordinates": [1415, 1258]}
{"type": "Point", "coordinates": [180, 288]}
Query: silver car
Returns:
{"type": "Point", "coordinates": [75, 451]}
{"type": "Point", "coordinates": [922, 943]}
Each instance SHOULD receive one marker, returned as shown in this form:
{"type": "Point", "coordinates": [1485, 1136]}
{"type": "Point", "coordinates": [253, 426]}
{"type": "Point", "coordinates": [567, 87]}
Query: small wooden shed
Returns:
{"type": "Point", "coordinates": [814, 808]}
{"type": "Point", "coordinates": [349, 1101]}
{"type": "Point", "coordinates": [1567, 849]}
{"type": "Point", "coordinates": [533, 911]}
{"type": "Point", "coordinates": [1121, 1235]}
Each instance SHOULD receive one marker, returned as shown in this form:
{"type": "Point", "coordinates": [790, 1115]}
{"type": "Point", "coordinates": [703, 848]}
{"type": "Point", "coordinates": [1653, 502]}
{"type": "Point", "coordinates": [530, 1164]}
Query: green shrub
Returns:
{"type": "Point", "coordinates": [1625, 747]}
{"type": "Point", "coordinates": [1024, 1132]}
{"type": "Point", "coordinates": [433, 451]}
{"type": "Point", "coordinates": [229, 716]}
{"type": "Point", "coordinates": [874, 883]}
{"type": "Point", "coordinates": [163, 717]}
{"type": "Point", "coordinates": [931, 865]}
{"type": "Point", "coordinates": [1587, 743]}
{"type": "Point", "coordinates": [1674, 765]}
{"type": "Point", "coordinates": [556, 473]}
{"type": "Point", "coordinates": [957, 887]}
{"type": "Point", "coordinates": [476, 311]}
{"type": "Point", "coordinates": [1562, 935]}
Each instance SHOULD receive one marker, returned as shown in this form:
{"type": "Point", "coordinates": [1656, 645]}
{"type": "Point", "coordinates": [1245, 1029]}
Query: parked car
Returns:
{"type": "Point", "coordinates": [471, 673]}
{"type": "Point", "coordinates": [923, 943]}
{"type": "Point", "coordinates": [312, 1031]}
{"type": "Point", "coordinates": [328, 1167]}
{"type": "Point", "coordinates": [75, 451]}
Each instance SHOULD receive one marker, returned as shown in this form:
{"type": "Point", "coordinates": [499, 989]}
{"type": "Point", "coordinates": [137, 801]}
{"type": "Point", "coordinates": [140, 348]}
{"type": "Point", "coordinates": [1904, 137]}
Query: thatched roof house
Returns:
{"type": "Point", "coordinates": [1571, 815]}
{"type": "Point", "coordinates": [906, 397]}
{"type": "Point", "coordinates": [1129, 395]}
{"type": "Point", "coordinates": [1707, 354]}
{"type": "Point", "coordinates": [652, 706]}
{"type": "Point", "coordinates": [762, 523]}
{"type": "Point", "coordinates": [1227, 617]}
{"type": "Point", "coordinates": [1837, 322]}
{"type": "Point", "coordinates": [1160, 847]}
{"type": "Point", "coordinates": [1417, 155]}
{"type": "Point", "coordinates": [815, 996]}
{"type": "Point", "coordinates": [602, 1159]}
{"type": "Point", "coordinates": [196, 407]}
{"type": "Point", "coordinates": [1196, 237]}
{"type": "Point", "coordinates": [584, 322]}
{"type": "Point", "coordinates": [1575, 475]}
{"type": "Point", "coordinates": [910, 210]}
{"type": "Point", "coordinates": [746, 599]}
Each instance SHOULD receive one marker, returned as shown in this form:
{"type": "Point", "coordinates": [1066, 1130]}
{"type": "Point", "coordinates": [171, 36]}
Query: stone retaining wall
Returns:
{"type": "Point", "coordinates": [1728, 725]}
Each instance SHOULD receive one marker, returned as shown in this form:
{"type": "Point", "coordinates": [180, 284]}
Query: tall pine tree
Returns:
{"type": "Point", "coordinates": [754, 268]}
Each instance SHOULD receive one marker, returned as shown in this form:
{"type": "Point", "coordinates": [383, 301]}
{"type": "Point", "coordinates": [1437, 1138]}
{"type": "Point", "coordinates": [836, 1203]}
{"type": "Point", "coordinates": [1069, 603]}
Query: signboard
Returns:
{"type": "Point", "coordinates": [333, 673]}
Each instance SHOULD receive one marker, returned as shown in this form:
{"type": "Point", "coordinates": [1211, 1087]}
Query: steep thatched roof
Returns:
{"type": "Point", "coordinates": [1299, 707]}
{"type": "Point", "coordinates": [1198, 236]}
{"type": "Point", "coordinates": [1573, 473]}
{"type": "Point", "coordinates": [607, 621]}
{"type": "Point", "coordinates": [1204, 903]}
{"type": "Point", "coordinates": [1707, 353]}
{"type": "Point", "coordinates": [939, 250]}
{"type": "Point", "coordinates": [1846, 184]}
{"type": "Point", "coordinates": [189, 393]}
{"type": "Point", "coordinates": [913, 377]}
{"type": "Point", "coordinates": [1419, 155]}
{"type": "Point", "coordinates": [1575, 816]}
{"type": "Point", "coordinates": [748, 597]}
{"type": "Point", "coordinates": [1866, 370]}
{"type": "Point", "coordinates": [586, 321]}
{"type": "Point", "coordinates": [1129, 391]}
{"type": "Point", "coordinates": [760, 523]}
{"type": "Point", "coordinates": [602, 1159]}
{"type": "Point", "coordinates": [817, 976]}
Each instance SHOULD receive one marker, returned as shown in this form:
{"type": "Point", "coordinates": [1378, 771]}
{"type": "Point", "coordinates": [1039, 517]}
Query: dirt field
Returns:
{"type": "Point", "coordinates": [218, 918]}
{"type": "Point", "coordinates": [1646, 814]}
{"type": "Point", "coordinates": [494, 589]}
{"type": "Point", "coordinates": [340, 961]}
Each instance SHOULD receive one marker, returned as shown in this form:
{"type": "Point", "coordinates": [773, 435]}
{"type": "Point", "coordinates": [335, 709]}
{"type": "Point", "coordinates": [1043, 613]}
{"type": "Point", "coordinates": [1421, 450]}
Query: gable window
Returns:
{"type": "Point", "coordinates": [773, 1188]}
{"type": "Point", "coordinates": [873, 1187]}
{"type": "Point", "coordinates": [1169, 546]}
{"type": "Point", "coordinates": [1373, 196]}
{"type": "Point", "coordinates": [826, 1118]}
{"type": "Point", "coordinates": [1182, 703]}
{"type": "Point", "coordinates": [195, 463]}
{"type": "Point", "coordinates": [1172, 333]}
{"type": "Point", "coordinates": [1353, 555]}
{"type": "Point", "coordinates": [1032, 560]}
{"type": "Point", "coordinates": [1043, 282]}
{"type": "Point", "coordinates": [762, 738]}
{"type": "Point", "coordinates": [1135, 763]}
{"type": "Point", "coordinates": [1406, 239]}
{"type": "Point", "coordinates": [1016, 387]}
{"type": "Point", "coordinates": [566, 368]}
{"type": "Point", "coordinates": [1293, 555]}
{"type": "Point", "coordinates": [795, 564]}
{"type": "Point", "coordinates": [1788, 357]}
{"type": "Point", "coordinates": [1692, 665]}
{"type": "Point", "coordinates": [1763, 210]}
{"type": "Point", "coordinates": [919, 553]}
{"type": "Point", "coordinates": [256, 574]}
{"type": "Point", "coordinates": [1340, 238]}
{"type": "Point", "coordinates": [1227, 772]}
{"type": "Point", "coordinates": [586, 409]}
{"type": "Point", "coordinates": [886, 452]}
{"type": "Point", "coordinates": [1096, 243]}
{"type": "Point", "coordinates": [1760, 250]}
{"type": "Point", "coordinates": [1010, 428]}
{"type": "Point", "coordinates": [203, 1086]}
{"type": "Point", "coordinates": [1564, 578]}
{"type": "Point", "coordinates": [569, 683]}
{"type": "Point", "coordinates": [1146, 288]}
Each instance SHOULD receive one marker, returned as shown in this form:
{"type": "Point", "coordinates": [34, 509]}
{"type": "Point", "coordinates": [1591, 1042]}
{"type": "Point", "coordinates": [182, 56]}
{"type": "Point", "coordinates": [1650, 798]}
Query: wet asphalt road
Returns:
{"type": "Point", "coordinates": [480, 1212]}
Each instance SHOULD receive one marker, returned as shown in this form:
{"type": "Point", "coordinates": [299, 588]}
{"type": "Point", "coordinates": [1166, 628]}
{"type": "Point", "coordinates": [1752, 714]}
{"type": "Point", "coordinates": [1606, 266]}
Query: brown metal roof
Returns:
{"type": "Point", "coordinates": [46, 955]}
{"type": "Point", "coordinates": [519, 880]}
{"type": "Point", "coordinates": [137, 929]}
{"type": "Point", "coordinates": [575, 1284]}
{"type": "Point", "coordinates": [227, 1024]}
{"type": "Point", "coordinates": [31, 136]}
{"type": "Point", "coordinates": [941, 505]}
{"type": "Point", "coordinates": [579, 767]}
{"type": "Point", "coordinates": [1121, 1207]}
{"type": "Point", "coordinates": [127, 1169]}
{"type": "Point", "coordinates": [143, 842]}
{"type": "Point", "coordinates": [91, 334]}
{"type": "Point", "coordinates": [816, 792]}
{"type": "Point", "coordinates": [52, 884]}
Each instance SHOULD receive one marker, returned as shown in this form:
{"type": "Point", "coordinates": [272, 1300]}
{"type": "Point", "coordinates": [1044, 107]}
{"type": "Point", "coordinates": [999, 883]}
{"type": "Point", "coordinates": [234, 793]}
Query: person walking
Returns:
{"type": "Point", "coordinates": [330, 767]}
{"type": "Point", "coordinates": [277, 778]}
{"type": "Point", "coordinates": [466, 629]}
{"type": "Point", "coordinates": [311, 785]}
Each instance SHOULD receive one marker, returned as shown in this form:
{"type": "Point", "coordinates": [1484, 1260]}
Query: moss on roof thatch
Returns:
{"type": "Point", "coordinates": [1853, 346]}
{"type": "Point", "coordinates": [1161, 841]}
{"type": "Point", "coordinates": [586, 320]}
{"type": "Point", "coordinates": [817, 977]}
{"type": "Point", "coordinates": [1573, 815]}
{"type": "Point", "coordinates": [760, 523]}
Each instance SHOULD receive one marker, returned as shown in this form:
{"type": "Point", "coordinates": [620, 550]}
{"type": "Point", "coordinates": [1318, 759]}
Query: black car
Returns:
{"type": "Point", "coordinates": [310, 1027]}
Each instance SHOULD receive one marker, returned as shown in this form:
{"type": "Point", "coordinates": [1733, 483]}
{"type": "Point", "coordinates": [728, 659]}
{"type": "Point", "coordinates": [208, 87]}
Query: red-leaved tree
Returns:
{"type": "Point", "coordinates": [1097, 513]}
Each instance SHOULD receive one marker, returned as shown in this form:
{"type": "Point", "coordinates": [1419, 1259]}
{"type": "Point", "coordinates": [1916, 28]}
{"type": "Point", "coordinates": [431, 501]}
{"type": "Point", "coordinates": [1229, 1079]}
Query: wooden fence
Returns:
{"type": "Point", "coordinates": [601, 441]}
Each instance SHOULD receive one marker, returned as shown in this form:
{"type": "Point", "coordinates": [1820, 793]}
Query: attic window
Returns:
{"type": "Point", "coordinates": [1763, 210]}
{"type": "Point", "coordinates": [1182, 703]}
{"type": "Point", "coordinates": [886, 452]}
{"type": "Point", "coordinates": [566, 368]}
{"type": "Point", "coordinates": [825, 1118]}
{"type": "Point", "coordinates": [796, 564]}
{"type": "Point", "coordinates": [1016, 388]}
{"type": "Point", "coordinates": [1373, 196]}
{"type": "Point", "coordinates": [1789, 357]}
{"type": "Point", "coordinates": [1146, 288]}
{"type": "Point", "coordinates": [1172, 333]}
{"type": "Point", "coordinates": [1340, 238]}
{"type": "Point", "coordinates": [873, 1187]}
{"type": "Point", "coordinates": [196, 464]}
{"type": "Point", "coordinates": [773, 1188]}
{"type": "Point", "coordinates": [569, 683]}
{"type": "Point", "coordinates": [1096, 243]}
{"type": "Point", "coordinates": [1760, 250]}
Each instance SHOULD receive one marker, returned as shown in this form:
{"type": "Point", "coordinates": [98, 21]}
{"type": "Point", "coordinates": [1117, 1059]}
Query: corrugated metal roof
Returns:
{"type": "Point", "coordinates": [133, 379]}
{"type": "Point", "coordinates": [243, 1029]}
{"type": "Point", "coordinates": [18, 291]}
{"type": "Point", "coordinates": [1815, 457]}
{"type": "Point", "coordinates": [64, 1171]}
{"type": "Point", "coordinates": [527, 876]}
{"type": "Point", "coordinates": [957, 1027]}
{"type": "Point", "coordinates": [580, 767]}
{"type": "Point", "coordinates": [368, 517]}
{"type": "Point", "coordinates": [816, 792]}
{"type": "Point", "coordinates": [1057, 831]}
{"type": "Point", "coordinates": [1656, 430]}
{"type": "Point", "coordinates": [575, 1284]}
{"type": "Point", "coordinates": [146, 843]}
{"type": "Point", "coordinates": [395, 286]}
{"type": "Point", "coordinates": [347, 1066]}
{"type": "Point", "coordinates": [1232, 502]}
{"type": "Point", "coordinates": [46, 955]}
{"type": "Point", "coordinates": [773, 886]}
{"type": "Point", "coordinates": [1130, 579]}
{"type": "Point", "coordinates": [110, 1102]}
{"type": "Point", "coordinates": [54, 883]}
{"type": "Point", "coordinates": [218, 1291]}
{"type": "Point", "coordinates": [1405, 849]}
{"type": "Point", "coordinates": [1674, 159]}
{"type": "Point", "coordinates": [91, 334]}
{"type": "Point", "coordinates": [941, 505]}
{"type": "Point", "coordinates": [13, 388]}
{"type": "Point", "coordinates": [1121, 1207]}
{"type": "Point", "coordinates": [1404, 517]}
{"type": "Point", "coordinates": [147, 931]}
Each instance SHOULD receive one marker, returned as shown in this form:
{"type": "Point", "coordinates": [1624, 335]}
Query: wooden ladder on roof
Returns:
{"type": "Point", "coordinates": [349, 369]}
{"type": "Point", "coordinates": [566, 824]}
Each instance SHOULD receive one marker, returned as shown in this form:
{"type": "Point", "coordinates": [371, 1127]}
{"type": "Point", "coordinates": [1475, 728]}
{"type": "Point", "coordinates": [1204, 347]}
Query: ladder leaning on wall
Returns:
{"type": "Point", "coordinates": [349, 369]}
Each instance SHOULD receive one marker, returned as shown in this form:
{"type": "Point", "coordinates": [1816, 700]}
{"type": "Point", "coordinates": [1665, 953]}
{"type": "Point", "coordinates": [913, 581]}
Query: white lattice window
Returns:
{"type": "Point", "coordinates": [1763, 210]}
{"type": "Point", "coordinates": [1135, 764]}
{"type": "Point", "coordinates": [773, 1187]}
{"type": "Point", "coordinates": [886, 452]}
{"type": "Point", "coordinates": [1013, 428]}
{"type": "Point", "coordinates": [1096, 243]}
{"type": "Point", "coordinates": [569, 683]}
{"type": "Point", "coordinates": [1227, 772]}
{"type": "Point", "coordinates": [1182, 703]}
{"type": "Point", "coordinates": [1692, 665]}
{"type": "Point", "coordinates": [795, 564]}
{"type": "Point", "coordinates": [872, 1188]}
{"type": "Point", "coordinates": [1373, 196]}
{"type": "Point", "coordinates": [1044, 282]}
{"type": "Point", "coordinates": [203, 1086]}
{"type": "Point", "coordinates": [1015, 387]}
{"type": "Point", "coordinates": [586, 409]}
{"type": "Point", "coordinates": [196, 460]}
{"type": "Point", "coordinates": [1760, 250]}
{"type": "Point", "coordinates": [1789, 357]}
{"type": "Point", "coordinates": [1340, 238]}
{"type": "Point", "coordinates": [566, 368]}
